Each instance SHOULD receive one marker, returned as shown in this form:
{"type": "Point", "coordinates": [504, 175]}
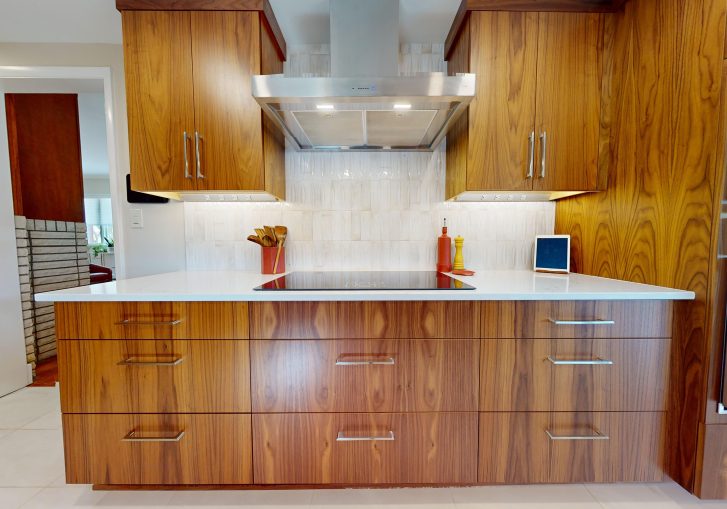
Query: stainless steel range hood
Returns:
{"type": "Point", "coordinates": [364, 105]}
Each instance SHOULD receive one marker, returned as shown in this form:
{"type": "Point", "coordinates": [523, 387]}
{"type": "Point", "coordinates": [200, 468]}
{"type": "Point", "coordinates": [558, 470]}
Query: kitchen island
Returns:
{"type": "Point", "coordinates": [194, 378]}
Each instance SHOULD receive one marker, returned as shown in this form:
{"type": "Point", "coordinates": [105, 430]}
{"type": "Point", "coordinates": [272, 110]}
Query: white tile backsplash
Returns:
{"type": "Point", "coordinates": [351, 210]}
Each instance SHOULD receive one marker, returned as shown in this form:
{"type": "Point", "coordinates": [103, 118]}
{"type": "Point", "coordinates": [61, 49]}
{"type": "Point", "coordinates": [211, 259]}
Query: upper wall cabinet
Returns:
{"type": "Point", "coordinates": [193, 123]}
{"type": "Point", "coordinates": [534, 123]}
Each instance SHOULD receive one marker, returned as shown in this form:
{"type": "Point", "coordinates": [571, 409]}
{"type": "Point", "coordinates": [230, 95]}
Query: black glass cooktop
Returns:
{"type": "Point", "coordinates": [384, 280]}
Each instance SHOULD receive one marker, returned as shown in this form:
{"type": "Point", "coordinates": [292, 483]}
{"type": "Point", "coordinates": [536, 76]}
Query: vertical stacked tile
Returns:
{"type": "Point", "coordinates": [351, 211]}
{"type": "Point", "coordinates": [58, 252]}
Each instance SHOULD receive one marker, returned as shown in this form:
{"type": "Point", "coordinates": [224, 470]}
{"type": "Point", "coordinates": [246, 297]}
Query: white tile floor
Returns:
{"type": "Point", "coordinates": [31, 476]}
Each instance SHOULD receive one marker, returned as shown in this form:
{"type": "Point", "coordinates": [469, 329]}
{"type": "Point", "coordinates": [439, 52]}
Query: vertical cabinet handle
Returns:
{"type": "Point", "coordinates": [185, 137]}
{"type": "Point", "coordinates": [196, 152]}
{"type": "Point", "coordinates": [531, 156]}
{"type": "Point", "coordinates": [543, 152]}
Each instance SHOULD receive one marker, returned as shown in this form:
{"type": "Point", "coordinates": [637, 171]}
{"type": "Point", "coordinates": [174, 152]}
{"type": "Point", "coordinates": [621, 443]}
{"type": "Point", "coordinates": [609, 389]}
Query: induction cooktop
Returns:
{"type": "Point", "coordinates": [355, 280]}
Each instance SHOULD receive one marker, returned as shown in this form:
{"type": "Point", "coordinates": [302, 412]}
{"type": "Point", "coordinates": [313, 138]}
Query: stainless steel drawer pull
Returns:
{"type": "Point", "coordinates": [593, 362]}
{"type": "Point", "coordinates": [134, 361]}
{"type": "Point", "coordinates": [597, 435]}
{"type": "Point", "coordinates": [389, 437]}
{"type": "Point", "coordinates": [581, 322]}
{"type": "Point", "coordinates": [148, 324]}
{"type": "Point", "coordinates": [353, 360]}
{"type": "Point", "coordinates": [131, 437]}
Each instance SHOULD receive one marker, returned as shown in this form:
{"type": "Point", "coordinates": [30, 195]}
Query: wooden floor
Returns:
{"type": "Point", "coordinates": [46, 373]}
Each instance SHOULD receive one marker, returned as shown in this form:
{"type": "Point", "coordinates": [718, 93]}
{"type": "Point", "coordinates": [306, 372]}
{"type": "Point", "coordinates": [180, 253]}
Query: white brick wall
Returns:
{"type": "Point", "coordinates": [51, 255]}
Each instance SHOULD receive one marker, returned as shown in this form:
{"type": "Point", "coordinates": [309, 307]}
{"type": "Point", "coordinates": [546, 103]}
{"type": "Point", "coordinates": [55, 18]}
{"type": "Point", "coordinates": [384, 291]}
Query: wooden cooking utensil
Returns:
{"type": "Point", "coordinates": [271, 233]}
{"type": "Point", "coordinates": [255, 239]}
{"type": "Point", "coordinates": [260, 233]}
{"type": "Point", "coordinates": [268, 241]}
{"type": "Point", "coordinates": [281, 233]}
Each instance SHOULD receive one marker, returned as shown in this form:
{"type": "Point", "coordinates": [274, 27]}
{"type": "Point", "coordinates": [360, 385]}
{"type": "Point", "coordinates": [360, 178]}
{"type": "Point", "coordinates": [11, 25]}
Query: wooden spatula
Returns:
{"type": "Point", "coordinates": [281, 233]}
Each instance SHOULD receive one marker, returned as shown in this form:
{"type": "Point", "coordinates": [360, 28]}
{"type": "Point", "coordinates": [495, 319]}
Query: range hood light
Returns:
{"type": "Point", "coordinates": [326, 107]}
{"type": "Point", "coordinates": [402, 106]}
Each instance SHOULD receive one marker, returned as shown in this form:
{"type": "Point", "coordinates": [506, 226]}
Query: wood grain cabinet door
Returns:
{"type": "Point", "coordinates": [365, 448]}
{"type": "Point", "coordinates": [226, 54]}
{"type": "Point", "coordinates": [158, 449]}
{"type": "Point", "coordinates": [568, 100]}
{"type": "Point", "coordinates": [154, 376]}
{"type": "Point", "coordinates": [364, 376]}
{"type": "Point", "coordinates": [160, 99]}
{"type": "Point", "coordinates": [503, 52]}
{"type": "Point", "coordinates": [561, 375]}
{"type": "Point", "coordinates": [563, 447]}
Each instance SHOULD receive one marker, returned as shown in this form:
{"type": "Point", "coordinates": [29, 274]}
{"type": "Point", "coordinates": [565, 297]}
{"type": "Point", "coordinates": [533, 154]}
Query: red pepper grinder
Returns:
{"type": "Point", "coordinates": [444, 250]}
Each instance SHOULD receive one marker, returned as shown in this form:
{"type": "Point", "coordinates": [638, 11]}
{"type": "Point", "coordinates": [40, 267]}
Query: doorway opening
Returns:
{"type": "Point", "coordinates": [61, 153]}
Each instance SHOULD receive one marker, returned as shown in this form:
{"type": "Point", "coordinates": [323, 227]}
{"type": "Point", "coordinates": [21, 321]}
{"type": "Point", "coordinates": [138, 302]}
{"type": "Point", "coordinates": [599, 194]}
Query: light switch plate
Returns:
{"type": "Point", "coordinates": [136, 218]}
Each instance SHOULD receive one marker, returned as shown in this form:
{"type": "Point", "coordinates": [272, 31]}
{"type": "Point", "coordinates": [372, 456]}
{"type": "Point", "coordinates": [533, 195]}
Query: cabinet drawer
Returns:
{"type": "Point", "coordinates": [152, 320]}
{"type": "Point", "coordinates": [168, 449]}
{"type": "Point", "coordinates": [154, 376]}
{"type": "Point", "coordinates": [574, 374]}
{"type": "Point", "coordinates": [365, 320]}
{"type": "Point", "coordinates": [364, 375]}
{"type": "Point", "coordinates": [365, 448]}
{"type": "Point", "coordinates": [577, 319]}
{"type": "Point", "coordinates": [564, 447]}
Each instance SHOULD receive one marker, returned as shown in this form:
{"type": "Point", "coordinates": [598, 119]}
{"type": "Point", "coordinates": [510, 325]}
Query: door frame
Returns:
{"type": "Point", "coordinates": [94, 73]}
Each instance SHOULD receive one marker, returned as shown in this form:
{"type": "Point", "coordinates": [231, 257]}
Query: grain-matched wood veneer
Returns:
{"type": "Point", "coordinates": [365, 320]}
{"type": "Point", "coordinates": [214, 449]}
{"type": "Point", "coordinates": [515, 448]}
{"type": "Point", "coordinates": [534, 319]}
{"type": "Point", "coordinates": [570, 50]}
{"type": "Point", "coordinates": [152, 320]}
{"type": "Point", "coordinates": [522, 375]}
{"type": "Point", "coordinates": [154, 376]}
{"type": "Point", "coordinates": [226, 53]}
{"type": "Point", "coordinates": [261, 6]}
{"type": "Point", "coordinates": [426, 448]}
{"type": "Point", "coordinates": [332, 376]}
{"type": "Point", "coordinates": [160, 99]}
{"type": "Point", "coordinates": [654, 224]}
{"type": "Point", "coordinates": [503, 55]}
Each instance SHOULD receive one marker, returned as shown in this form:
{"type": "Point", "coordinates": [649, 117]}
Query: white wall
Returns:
{"type": "Point", "coordinates": [92, 127]}
{"type": "Point", "coordinates": [13, 369]}
{"type": "Point", "coordinates": [159, 246]}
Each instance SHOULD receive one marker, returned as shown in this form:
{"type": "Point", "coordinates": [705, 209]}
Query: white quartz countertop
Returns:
{"type": "Point", "coordinates": [238, 286]}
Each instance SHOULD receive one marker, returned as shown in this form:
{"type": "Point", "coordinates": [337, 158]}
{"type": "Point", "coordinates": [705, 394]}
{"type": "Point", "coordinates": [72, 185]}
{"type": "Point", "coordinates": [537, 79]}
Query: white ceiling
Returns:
{"type": "Point", "coordinates": [302, 21]}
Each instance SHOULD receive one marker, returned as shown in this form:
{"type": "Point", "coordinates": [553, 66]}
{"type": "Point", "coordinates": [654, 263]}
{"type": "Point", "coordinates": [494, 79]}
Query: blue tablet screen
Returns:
{"type": "Point", "coordinates": [552, 253]}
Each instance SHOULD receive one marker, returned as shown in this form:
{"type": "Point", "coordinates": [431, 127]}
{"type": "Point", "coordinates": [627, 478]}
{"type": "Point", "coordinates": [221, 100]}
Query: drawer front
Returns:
{"type": "Point", "coordinates": [577, 319]}
{"type": "Point", "coordinates": [365, 448]}
{"type": "Point", "coordinates": [574, 375]}
{"type": "Point", "coordinates": [564, 447]}
{"type": "Point", "coordinates": [154, 376]}
{"type": "Point", "coordinates": [365, 320]}
{"type": "Point", "coordinates": [364, 375]}
{"type": "Point", "coordinates": [213, 449]}
{"type": "Point", "coordinates": [152, 320]}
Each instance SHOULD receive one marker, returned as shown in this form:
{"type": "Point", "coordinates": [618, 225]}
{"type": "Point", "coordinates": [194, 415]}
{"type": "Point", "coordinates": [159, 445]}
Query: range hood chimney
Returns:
{"type": "Point", "coordinates": [364, 38]}
{"type": "Point", "coordinates": [365, 105]}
